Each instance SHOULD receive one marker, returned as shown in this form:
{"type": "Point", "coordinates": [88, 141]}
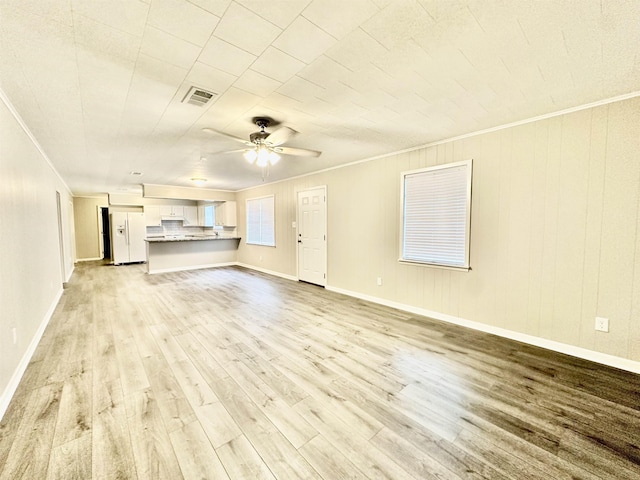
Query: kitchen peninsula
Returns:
{"type": "Point", "coordinates": [172, 253]}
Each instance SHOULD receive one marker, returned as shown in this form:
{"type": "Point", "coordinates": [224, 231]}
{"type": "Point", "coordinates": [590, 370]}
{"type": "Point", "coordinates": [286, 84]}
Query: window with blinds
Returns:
{"type": "Point", "coordinates": [260, 221]}
{"type": "Point", "coordinates": [436, 215]}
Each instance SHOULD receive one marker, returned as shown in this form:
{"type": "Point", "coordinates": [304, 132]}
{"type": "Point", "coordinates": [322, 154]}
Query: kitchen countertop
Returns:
{"type": "Point", "coordinates": [187, 238]}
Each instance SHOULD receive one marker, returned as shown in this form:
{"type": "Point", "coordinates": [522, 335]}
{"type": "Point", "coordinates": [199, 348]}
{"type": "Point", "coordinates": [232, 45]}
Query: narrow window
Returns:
{"type": "Point", "coordinates": [260, 221]}
{"type": "Point", "coordinates": [436, 215]}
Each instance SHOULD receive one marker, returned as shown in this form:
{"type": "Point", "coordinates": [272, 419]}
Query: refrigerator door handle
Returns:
{"type": "Point", "coordinates": [126, 231]}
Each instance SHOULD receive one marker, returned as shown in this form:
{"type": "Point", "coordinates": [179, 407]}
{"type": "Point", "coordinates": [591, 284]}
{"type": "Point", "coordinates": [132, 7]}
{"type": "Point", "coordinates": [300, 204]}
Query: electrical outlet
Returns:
{"type": "Point", "coordinates": [602, 324]}
{"type": "Point", "coordinates": [379, 281]}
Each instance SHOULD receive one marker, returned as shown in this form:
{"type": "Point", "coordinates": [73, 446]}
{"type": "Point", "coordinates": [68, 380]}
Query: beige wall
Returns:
{"type": "Point", "coordinates": [30, 259]}
{"type": "Point", "coordinates": [554, 238]}
{"type": "Point", "coordinates": [85, 211]}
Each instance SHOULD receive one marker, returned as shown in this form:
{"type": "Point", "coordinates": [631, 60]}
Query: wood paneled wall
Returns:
{"type": "Point", "coordinates": [32, 267]}
{"type": "Point", "coordinates": [554, 236]}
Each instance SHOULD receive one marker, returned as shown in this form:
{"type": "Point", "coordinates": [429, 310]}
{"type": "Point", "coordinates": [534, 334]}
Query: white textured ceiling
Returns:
{"type": "Point", "coordinates": [100, 82]}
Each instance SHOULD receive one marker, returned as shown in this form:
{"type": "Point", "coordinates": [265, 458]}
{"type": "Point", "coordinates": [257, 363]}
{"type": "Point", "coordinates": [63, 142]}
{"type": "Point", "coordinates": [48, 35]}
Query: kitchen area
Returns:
{"type": "Point", "coordinates": [167, 229]}
{"type": "Point", "coordinates": [190, 237]}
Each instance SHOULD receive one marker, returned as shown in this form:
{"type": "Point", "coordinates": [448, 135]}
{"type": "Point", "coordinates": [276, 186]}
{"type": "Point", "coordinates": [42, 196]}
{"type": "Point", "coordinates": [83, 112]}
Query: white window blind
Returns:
{"type": "Point", "coordinates": [436, 215]}
{"type": "Point", "coordinates": [260, 221]}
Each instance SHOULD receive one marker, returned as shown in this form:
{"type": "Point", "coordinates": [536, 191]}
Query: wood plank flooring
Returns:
{"type": "Point", "coordinates": [231, 374]}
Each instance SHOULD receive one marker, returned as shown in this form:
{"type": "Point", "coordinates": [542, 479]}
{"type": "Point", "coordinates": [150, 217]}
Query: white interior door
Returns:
{"type": "Point", "coordinates": [312, 236]}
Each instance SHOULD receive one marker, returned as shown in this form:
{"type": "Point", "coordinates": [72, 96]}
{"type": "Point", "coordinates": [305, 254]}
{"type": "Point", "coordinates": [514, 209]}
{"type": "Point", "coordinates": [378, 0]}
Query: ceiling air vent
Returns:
{"type": "Point", "coordinates": [198, 96]}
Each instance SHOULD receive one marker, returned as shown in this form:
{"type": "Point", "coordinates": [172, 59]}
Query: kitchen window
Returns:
{"type": "Point", "coordinates": [436, 215]}
{"type": "Point", "coordinates": [260, 221]}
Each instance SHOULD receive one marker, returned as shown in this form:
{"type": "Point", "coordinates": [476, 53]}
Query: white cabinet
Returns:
{"type": "Point", "coordinates": [200, 215]}
{"type": "Point", "coordinates": [226, 214]}
{"type": "Point", "coordinates": [190, 215]}
{"type": "Point", "coordinates": [152, 216]}
{"type": "Point", "coordinates": [171, 211]}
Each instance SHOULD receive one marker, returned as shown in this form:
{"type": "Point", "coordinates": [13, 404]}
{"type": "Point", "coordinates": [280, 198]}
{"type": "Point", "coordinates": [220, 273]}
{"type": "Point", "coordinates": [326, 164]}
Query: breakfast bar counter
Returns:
{"type": "Point", "coordinates": [174, 253]}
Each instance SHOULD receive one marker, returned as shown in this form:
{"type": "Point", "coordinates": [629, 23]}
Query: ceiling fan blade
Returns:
{"type": "Point", "coordinates": [279, 136]}
{"type": "Point", "coordinates": [298, 152]}
{"type": "Point", "coordinates": [228, 151]}
{"type": "Point", "coordinates": [226, 135]}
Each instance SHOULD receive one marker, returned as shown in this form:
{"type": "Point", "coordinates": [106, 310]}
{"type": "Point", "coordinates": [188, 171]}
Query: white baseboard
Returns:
{"type": "Point", "coordinates": [603, 358]}
{"type": "Point", "coordinates": [268, 272]}
{"type": "Point", "coordinates": [12, 386]}
{"type": "Point", "coordinates": [88, 259]}
{"type": "Point", "coordinates": [192, 267]}
{"type": "Point", "coordinates": [579, 352]}
{"type": "Point", "coordinates": [73, 267]}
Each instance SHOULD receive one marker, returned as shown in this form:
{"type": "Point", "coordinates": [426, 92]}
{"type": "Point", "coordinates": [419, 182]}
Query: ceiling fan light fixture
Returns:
{"type": "Point", "coordinates": [263, 156]}
{"type": "Point", "coordinates": [262, 162]}
{"type": "Point", "coordinates": [250, 156]}
{"type": "Point", "coordinates": [273, 157]}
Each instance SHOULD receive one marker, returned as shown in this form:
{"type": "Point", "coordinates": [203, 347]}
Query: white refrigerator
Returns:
{"type": "Point", "coordinates": [128, 231]}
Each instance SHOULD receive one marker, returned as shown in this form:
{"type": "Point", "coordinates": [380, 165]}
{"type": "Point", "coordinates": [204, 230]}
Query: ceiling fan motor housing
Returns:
{"type": "Point", "coordinates": [258, 137]}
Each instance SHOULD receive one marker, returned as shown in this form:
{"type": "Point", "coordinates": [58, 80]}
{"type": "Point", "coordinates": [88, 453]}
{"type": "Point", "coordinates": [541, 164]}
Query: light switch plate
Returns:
{"type": "Point", "coordinates": [602, 324]}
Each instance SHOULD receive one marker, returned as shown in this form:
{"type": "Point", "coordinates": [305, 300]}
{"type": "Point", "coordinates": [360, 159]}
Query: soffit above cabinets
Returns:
{"type": "Point", "coordinates": [101, 84]}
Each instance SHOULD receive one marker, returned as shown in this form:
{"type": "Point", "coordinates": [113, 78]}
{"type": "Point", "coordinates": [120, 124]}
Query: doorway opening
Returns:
{"type": "Point", "coordinates": [105, 233]}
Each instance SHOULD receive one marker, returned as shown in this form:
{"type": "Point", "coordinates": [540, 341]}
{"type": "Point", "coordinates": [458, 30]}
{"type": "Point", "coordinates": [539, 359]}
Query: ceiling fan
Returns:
{"type": "Point", "coordinates": [264, 148]}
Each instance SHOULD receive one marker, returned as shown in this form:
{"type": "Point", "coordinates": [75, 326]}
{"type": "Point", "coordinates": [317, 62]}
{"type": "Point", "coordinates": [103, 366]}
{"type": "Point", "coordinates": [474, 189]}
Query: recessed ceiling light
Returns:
{"type": "Point", "coordinates": [135, 173]}
{"type": "Point", "coordinates": [199, 181]}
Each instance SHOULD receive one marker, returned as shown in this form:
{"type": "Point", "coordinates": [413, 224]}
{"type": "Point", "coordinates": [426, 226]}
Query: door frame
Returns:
{"type": "Point", "coordinates": [100, 232]}
{"type": "Point", "coordinates": [63, 274]}
{"type": "Point", "coordinates": [326, 234]}
{"type": "Point", "coordinates": [104, 230]}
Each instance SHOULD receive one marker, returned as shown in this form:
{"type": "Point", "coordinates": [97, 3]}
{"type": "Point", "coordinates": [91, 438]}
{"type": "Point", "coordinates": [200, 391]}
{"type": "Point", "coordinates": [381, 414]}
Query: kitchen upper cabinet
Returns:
{"type": "Point", "coordinates": [200, 209]}
{"type": "Point", "coordinates": [152, 216]}
{"type": "Point", "coordinates": [226, 214]}
{"type": "Point", "coordinates": [171, 211]}
{"type": "Point", "coordinates": [190, 215]}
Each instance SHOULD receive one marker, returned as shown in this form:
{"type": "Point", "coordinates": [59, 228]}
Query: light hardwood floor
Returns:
{"type": "Point", "coordinates": [229, 373]}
